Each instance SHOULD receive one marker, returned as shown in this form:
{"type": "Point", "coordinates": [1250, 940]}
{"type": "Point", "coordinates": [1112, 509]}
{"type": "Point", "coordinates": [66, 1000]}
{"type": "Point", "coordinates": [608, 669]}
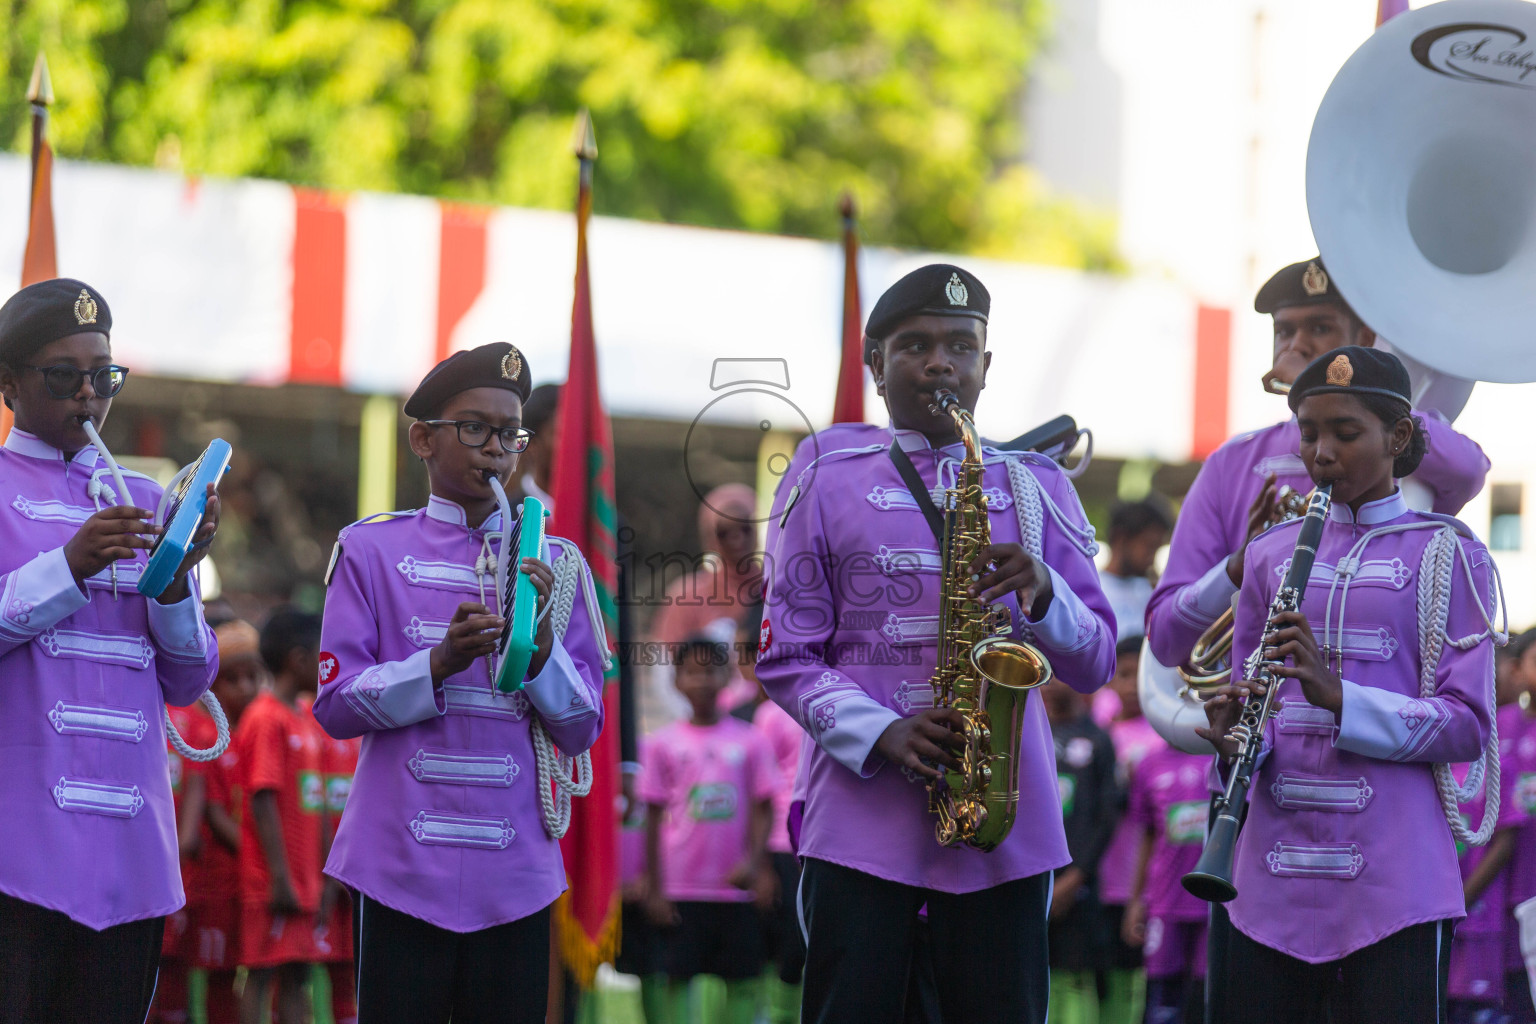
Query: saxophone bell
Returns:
{"type": "Point", "coordinates": [981, 672]}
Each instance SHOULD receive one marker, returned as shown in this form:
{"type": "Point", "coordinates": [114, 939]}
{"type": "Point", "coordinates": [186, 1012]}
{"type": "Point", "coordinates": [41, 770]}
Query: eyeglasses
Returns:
{"type": "Point", "coordinates": [475, 433]}
{"type": "Point", "coordinates": [63, 380]}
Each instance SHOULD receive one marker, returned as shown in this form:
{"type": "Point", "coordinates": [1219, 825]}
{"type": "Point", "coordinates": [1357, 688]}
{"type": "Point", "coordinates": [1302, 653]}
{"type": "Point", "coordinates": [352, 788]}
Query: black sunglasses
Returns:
{"type": "Point", "coordinates": [63, 380]}
{"type": "Point", "coordinates": [475, 433]}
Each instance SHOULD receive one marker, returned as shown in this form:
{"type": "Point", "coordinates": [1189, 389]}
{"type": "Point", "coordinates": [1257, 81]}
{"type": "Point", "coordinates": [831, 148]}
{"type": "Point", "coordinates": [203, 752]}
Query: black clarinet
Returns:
{"type": "Point", "coordinates": [1211, 880]}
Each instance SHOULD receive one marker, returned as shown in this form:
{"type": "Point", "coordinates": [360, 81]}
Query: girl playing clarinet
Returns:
{"type": "Point", "coordinates": [1346, 870]}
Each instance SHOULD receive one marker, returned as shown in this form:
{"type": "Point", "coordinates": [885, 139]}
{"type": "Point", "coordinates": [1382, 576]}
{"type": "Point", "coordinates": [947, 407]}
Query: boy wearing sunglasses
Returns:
{"type": "Point", "coordinates": [88, 868]}
{"type": "Point", "coordinates": [444, 839]}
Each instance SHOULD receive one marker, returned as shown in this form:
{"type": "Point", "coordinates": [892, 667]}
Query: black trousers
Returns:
{"type": "Point", "coordinates": [989, 948]}
{"type": "Point", "coordinates": [54, 970]}
{"type": "Point", "coordinates": [1399, 980]}
{"type": "Point", "coordinates": [412, 972]}
{"type": "Point", "coordinates": [786, 946]}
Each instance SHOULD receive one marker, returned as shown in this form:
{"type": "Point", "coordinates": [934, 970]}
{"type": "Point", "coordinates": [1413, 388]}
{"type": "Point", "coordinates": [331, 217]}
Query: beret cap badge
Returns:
{"type": "Point", "coordinates": [511, 365]}
{"type": "Point", "coordinates": [955, 291]}
{"type": "Point", "coordinates": [1340, 371]}
{"type": "Point", "coordinates": [85, 308]}
{"type": "Point", "coordinates": [1314, 281]}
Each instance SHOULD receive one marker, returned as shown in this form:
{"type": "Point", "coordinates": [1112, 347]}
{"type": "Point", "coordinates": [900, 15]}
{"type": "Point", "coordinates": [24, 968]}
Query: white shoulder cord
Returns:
{"type": "Point", "coordinates": [1031, 503]}
{"type": "Point", "coordinates": [1026, 506]}
{"type": "Point", "coordinates": [1436, 570]}
{"type": "Point", "coordinates": [560, 777]}
{"type": "Point", "coordinates": [210, 702]}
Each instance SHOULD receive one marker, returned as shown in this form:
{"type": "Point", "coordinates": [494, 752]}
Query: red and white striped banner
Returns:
{"type": "Point", "coordinates": [259, 282]}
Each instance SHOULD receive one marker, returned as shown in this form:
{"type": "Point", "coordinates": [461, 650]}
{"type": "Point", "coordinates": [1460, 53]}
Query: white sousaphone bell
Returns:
{"type": "Point", "coordinates": [1421, 190]}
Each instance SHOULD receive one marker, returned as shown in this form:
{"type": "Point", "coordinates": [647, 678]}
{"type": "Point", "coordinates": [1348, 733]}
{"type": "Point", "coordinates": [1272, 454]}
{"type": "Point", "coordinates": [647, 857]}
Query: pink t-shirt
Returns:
{"type": "Point", "coordinates": [1170, 797]}
{"type": "Point", "coordinates": [1134, 740]}
{"type": "Point", "coordinates": [1519, 729]}
{"type": "Point", "coordinates": [706, 779]}
{"type": "Point", "coordinates": [1488, 914]}
{"type": "Point", "coordinates": [784, 734]}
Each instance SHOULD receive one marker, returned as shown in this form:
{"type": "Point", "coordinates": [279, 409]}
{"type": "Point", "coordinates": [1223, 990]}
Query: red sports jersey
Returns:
{"type": "Point", "coordinates": [218, 867]}
{"type": "Point", "coordinates": [279, 749]}
{"type": "Point", "coordinates": [338, 759]}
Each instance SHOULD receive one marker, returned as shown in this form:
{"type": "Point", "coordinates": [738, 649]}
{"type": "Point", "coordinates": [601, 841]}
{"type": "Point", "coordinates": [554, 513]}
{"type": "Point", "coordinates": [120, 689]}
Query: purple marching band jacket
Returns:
{"type": "Point", "coordinates": [1213, 521]}
{"type": "Point", "coordinates": [90, 829]}
{"type": "Point", "coordinates": [1346, 839]}
{"type": "Point", "coordinates": [849, 645]}
{"type": "Point", "coordinates": [444, 819]}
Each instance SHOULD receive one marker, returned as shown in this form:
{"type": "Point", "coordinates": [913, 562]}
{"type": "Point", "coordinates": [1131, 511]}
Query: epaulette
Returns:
{"type": "Point", "coordinates": [815, 467]}
{"type": "Point", "coordinates": [841, 454]}
{"type": "Point", "coordinates": [377, 517]}
{"type": "Point", "coordinates": [1033, 458]}
{"type": "Point", "coordinates": [1454, 523]}
{"type": "Point", "coordinates": [1272, 527]}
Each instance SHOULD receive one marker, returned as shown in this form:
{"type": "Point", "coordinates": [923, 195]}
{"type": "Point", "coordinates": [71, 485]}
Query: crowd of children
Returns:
{"type": "Point", "coordinates": [254, 829]}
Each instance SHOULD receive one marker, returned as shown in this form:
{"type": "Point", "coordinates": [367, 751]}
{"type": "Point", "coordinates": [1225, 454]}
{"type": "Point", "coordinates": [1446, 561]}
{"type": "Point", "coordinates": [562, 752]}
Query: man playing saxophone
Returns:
{"type": "Point", "coordinates": [849, 647]}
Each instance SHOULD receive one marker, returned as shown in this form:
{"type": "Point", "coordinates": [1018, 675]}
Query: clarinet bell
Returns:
{"type": "Point", "coordinates": [1211, 880]}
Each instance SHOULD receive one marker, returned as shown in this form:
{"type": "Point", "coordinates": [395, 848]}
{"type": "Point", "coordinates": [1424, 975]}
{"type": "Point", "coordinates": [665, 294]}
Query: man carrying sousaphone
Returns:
{"type": "Point", "coordinates": [849, 644]}
{"type": "Point", "coordinates": [1235, 494]}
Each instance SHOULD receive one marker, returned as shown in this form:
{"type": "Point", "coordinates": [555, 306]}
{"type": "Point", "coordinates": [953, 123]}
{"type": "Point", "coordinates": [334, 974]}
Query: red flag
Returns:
{"type": "Point", "coordinates": [849, 404]}
{"type": "Point", "coordinates": [1386, 10]}
{"type": "Point", "coordinates": [587, 916]}
{"type": "Point", "coordinates": [39, 260]}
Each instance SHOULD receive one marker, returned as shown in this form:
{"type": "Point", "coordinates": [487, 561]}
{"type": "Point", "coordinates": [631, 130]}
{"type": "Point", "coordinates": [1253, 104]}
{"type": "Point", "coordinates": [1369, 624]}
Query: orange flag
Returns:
{"type": "Point", "coordinates": [582, 490]}
{"type": "Point", "coordinates": [39, 260]}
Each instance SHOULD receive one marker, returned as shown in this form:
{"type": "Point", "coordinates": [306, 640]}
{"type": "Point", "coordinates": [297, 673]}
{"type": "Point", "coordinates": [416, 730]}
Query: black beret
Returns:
{"type": "Point", "coordinates": [937, 289]}
{"type": "Point", "coordinates": [498, 365]}
{"type": "Point", "coordinates": [47, 311]}
{"type": "Point", "coordinates": [1300, 284]}
{"type": "Point", "coordinates": [1353, 370]}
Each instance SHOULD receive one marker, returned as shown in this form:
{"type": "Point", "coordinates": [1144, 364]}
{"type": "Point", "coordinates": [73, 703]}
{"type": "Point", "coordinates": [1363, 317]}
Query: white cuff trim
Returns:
{"type": "Point", "coordinates": [860, 723]}
{"type": "Point", "coordinates": [1212, 594]}
{"type": "Point", "coordinates": [178, 629]}
{"type": "Point", "coordinates": [1067, 625]}
{"type": "Point", "coordinates": [1370, 722]}
{"type": "Point", "coordinates": [558, 691]}
{"type": "Point", "coordinates": [397, 693]}
{"type": "Point", "coordinates": [38, 595]}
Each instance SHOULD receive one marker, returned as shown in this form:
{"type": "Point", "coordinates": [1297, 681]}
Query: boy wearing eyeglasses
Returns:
{"type": "Point", "coordinates": [88, 853]}
{"type": "Point", "coordinates": [445, 840]}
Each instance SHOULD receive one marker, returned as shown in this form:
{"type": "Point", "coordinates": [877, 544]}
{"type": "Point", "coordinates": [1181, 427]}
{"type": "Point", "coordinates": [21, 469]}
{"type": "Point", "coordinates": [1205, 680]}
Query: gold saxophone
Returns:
{"type": "Point", "coordinates": [982, 672]}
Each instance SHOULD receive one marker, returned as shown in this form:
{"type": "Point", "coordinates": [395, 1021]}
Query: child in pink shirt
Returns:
{"type": "Point", "coordinates": [708, 783]}
{"type": "Point", "coordinates": [1117, 710]}
{"type": "Point", "coordinates": [1169, 803]}
{"type": "Point", "coordinates": [1475, 988]}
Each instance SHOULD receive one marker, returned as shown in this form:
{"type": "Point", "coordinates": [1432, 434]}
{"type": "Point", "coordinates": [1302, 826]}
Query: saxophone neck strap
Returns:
{"type": "Point", "coordinates": [920, 493]}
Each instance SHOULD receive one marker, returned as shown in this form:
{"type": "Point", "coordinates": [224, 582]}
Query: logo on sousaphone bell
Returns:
{"type": "Point", "coordinates": [85, 308]}
{"type": "Point", "coordinates": [1477, 52]}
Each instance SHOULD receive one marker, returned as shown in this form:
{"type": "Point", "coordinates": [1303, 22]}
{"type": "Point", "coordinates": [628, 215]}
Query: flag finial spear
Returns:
{"type": "Point", "coordinates": [847, 207]}
{"type": "Point", "coordinates": [40, 89]}
{"type": "Point", "coordinates": [583, 141]}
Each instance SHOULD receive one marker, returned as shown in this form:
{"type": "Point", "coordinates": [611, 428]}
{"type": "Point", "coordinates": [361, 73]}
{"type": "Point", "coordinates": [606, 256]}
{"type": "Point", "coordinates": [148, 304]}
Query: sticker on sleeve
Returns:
{"type": "Point", "coordinates": [764, 637]}
{"type": "Point", "coordinates": [330, 668]}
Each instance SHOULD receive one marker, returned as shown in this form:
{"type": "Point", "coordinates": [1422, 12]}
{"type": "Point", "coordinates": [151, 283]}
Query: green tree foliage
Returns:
{"type": "Point", "coordinates": [732, 113]}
